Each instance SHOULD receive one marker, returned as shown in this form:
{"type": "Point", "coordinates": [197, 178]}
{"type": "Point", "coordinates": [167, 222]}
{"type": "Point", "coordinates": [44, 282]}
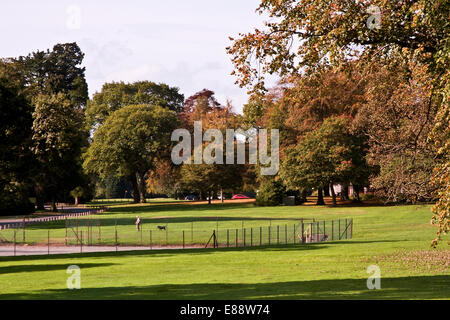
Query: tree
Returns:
{"type": "Point", "coordinates": [116, 95]}
{"type": "Point", "coordinates": [51, 81]}
{"type": "Point", "coordinates": [440, 137]}
{"type": "Point", "coordinates": [314, 33]}
{"type": "Point", "coordinates": [329, 154]}
{"type": "Point", "coordinates": [50, 72]}
{"type": "Point", "coordinates": [270, 193]}
{"type": "Point", "coordinates": [16, 159]}
{"type": "Point", "coordinates": [211, 178]}
{"type": "Point", "coordinates": [58, 136]}
{"type": "Point", "coordinates": [129, 142]}
{"type": "Point", "coordinates": [397, 117]}
{"type": "Point", "coordinates": [164, 178]}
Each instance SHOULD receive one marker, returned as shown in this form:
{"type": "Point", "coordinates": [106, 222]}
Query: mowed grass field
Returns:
{"type": "Point", "coordinates": [395, 238]}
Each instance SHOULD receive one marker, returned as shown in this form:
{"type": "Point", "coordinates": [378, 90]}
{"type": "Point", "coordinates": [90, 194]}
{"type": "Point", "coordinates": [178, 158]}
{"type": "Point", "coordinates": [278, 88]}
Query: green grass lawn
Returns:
{"type": "Point", "coordinates": [395, 238]}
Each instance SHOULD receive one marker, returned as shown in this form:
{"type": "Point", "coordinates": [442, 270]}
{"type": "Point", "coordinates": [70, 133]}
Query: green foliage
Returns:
{"type": "Point", "coordinates": [51, 72]}
{"type": "Point", "coordinates": [53, 82]}
{"type": "Point", "coordinates": [328, 154]}
{"type": "Point", "coordinates": [15, 156]}
{"type": "Point", "coordinates": [129, 142]}
{"type": "Point", "coordinates": [117, 95]}
{"type": "Point", "coordinates": [58, 136]}
{"type": "Point", "coordinates": [271, 193]}
{"type": "Point", "coordinates": [14, 200]}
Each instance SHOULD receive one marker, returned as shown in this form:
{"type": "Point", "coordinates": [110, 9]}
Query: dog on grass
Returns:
{"type": "Point", "coordinates": [162, 227]}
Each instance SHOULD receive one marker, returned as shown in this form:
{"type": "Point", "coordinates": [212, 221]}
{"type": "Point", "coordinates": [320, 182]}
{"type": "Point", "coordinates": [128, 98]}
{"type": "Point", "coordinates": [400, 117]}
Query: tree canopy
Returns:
{"type": "Point", "coordinates": [116, 95]}
{"type": "Point", "coordinates": [129, 142]}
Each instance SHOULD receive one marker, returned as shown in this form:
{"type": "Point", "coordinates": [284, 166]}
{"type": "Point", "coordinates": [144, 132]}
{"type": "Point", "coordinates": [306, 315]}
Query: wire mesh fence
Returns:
{"type": "Point", "coordinates": [183, 233]}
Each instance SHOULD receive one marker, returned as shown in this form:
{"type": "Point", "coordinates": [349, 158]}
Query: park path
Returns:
{"type": "Point", "coordinates": [21, 250]}
{"type": "Point", "coordinates": [65, 212]}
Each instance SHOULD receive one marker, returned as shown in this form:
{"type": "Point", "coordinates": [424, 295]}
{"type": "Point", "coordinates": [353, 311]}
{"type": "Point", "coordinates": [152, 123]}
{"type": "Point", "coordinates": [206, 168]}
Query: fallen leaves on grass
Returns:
{"type": "Point", "coordinates": [436, 261]}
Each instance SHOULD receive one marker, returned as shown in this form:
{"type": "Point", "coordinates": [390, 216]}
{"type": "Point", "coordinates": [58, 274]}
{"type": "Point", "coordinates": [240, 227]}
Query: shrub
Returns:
{"type": "Point", "coordinates": [270, 193]}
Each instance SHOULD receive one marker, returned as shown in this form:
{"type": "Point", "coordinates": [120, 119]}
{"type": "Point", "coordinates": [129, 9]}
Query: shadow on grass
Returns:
{"type": "Point", "coordinates": [50, 267]}
{"type": "Point", "coordinates": [418, 287]}
{"type": "Point", "coordinates": [165, 252]}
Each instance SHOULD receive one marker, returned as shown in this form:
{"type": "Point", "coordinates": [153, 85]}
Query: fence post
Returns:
{"type": "Point", "coordinates": [285, 233]}
{"type": "Point", "coordinates": [303, 233]}
{"type": "Point", "coordinates": [116, 240]}
{"type": "Point", "coordinates": [324, 233]}
{"type": "Point", "coordinates": [318, 231]}
{"type": "Point", "coordinates": [192, 232]}
{"type": "Point", "coordinates": [351, 229]}
{"type": "Point", "coordinates": [244, 236]}
{"type": "Point", "coordinates": [217, 227]}
{"type": "Point", "coordinates": [251, 237]}
{"type": "Point", "coordinates": [183, 239]}
{"type": "Point", "coordinates": [339, 229]}
{"type": "Point", "coordinates": [228, 238]}
{"type": "Point", "coordinates": [66, 233]}
{"type": "Point", "coordinates": [150, 235]}
{"type": "Point", "coordinates": [81, 241]}
{"type": "Point", "coordinates": [48, 242]}
{"type": "Point", "coordinates": [294, 233]}
{"type": "Point", "coordinates": [14, 242]}
{"type": "Point", "coordinates": [167, 235]}
{"type": "Point", "coordinates": [268, 229]}
{"type": "Point", "coordinates": [332, 230]}
{"type": "Point", "coordinates": [346, 229]}
{"type": "Point", "coordinates": [23, 230]}
{"type": "Point", "coordinates": [88, 230]}
{"type": "Point", "coordinates": [236, 238]}
{"type": "Point", "coordinates": [260, 236]}
{"type": "Point", "coordinates": [141, 236]}
{"type": "Point", "coordinates": [278, 234]}
{"type": "Point", "coordinates": [99, 231]}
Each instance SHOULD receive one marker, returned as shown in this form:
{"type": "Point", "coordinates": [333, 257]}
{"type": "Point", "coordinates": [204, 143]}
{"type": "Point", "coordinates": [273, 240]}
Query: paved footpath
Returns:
{"type": "Point", "coordinates": [68, 212]}
{"type": "Point", "coordinates": [21, 250]}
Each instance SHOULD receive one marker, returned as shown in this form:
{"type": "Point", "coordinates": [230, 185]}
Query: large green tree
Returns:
{"type": "Point", "coordinates": [129, 142]}
{"type": "Point", "coordinates": [16, 160]}
{"type": "Point", "coordinates": [53, 81]}
{"type": "Point", "coordinates": [58, 137]}
{"type": "Point", "coordinates": [329, 154]}
{"type": "Point", "coordinates": [116, 95]}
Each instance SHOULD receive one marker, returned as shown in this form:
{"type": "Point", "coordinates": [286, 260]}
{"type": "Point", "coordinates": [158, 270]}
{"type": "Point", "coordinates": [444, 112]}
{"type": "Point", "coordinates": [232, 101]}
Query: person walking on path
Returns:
{"type": "Point", "coordinates": [138, 222]}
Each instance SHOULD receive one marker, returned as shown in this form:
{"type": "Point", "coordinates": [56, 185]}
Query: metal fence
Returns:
{"type": "Point", "coordinates": [157, 233]}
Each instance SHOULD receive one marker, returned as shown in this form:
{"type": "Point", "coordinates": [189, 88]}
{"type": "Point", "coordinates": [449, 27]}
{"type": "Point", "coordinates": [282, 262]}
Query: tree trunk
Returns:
{"type": "Point", "coordinates": [345, 192]}
{"type": "Point", "coordinates": [304, 195]}
{"type": "Point", "coordinates": [53, 207]}
{"type": "Point", "coordinates": [326, 192]}
{"type": "Point", "coordinates": [134, 187]}
{"type": "Point", "coordinates": [39, 197]}
{"type": "Point", "coordinates": [320, 201]}
{"type": "Point", "coordinates": [141, 187]}
{"type": "Point", "coordinates": [333, 194]}
{"type": "Point", "coordinates": [76, 201]}
{"type": "Point", "coordinates": [209, 197]}
{"type": "Point", "coordinates": [356, 193]}
{"type": "Point", "coordinates": [221, 195]}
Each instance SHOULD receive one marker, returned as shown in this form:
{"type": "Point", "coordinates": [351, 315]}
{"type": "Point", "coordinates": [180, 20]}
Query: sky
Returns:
{"type": "Point", "coordinates": [178, 42]}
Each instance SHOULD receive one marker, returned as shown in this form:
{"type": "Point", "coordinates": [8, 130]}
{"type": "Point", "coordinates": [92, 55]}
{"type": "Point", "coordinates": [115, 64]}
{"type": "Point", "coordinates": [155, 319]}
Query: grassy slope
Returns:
{"type": "Point", "coordinates": [326, 270]}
